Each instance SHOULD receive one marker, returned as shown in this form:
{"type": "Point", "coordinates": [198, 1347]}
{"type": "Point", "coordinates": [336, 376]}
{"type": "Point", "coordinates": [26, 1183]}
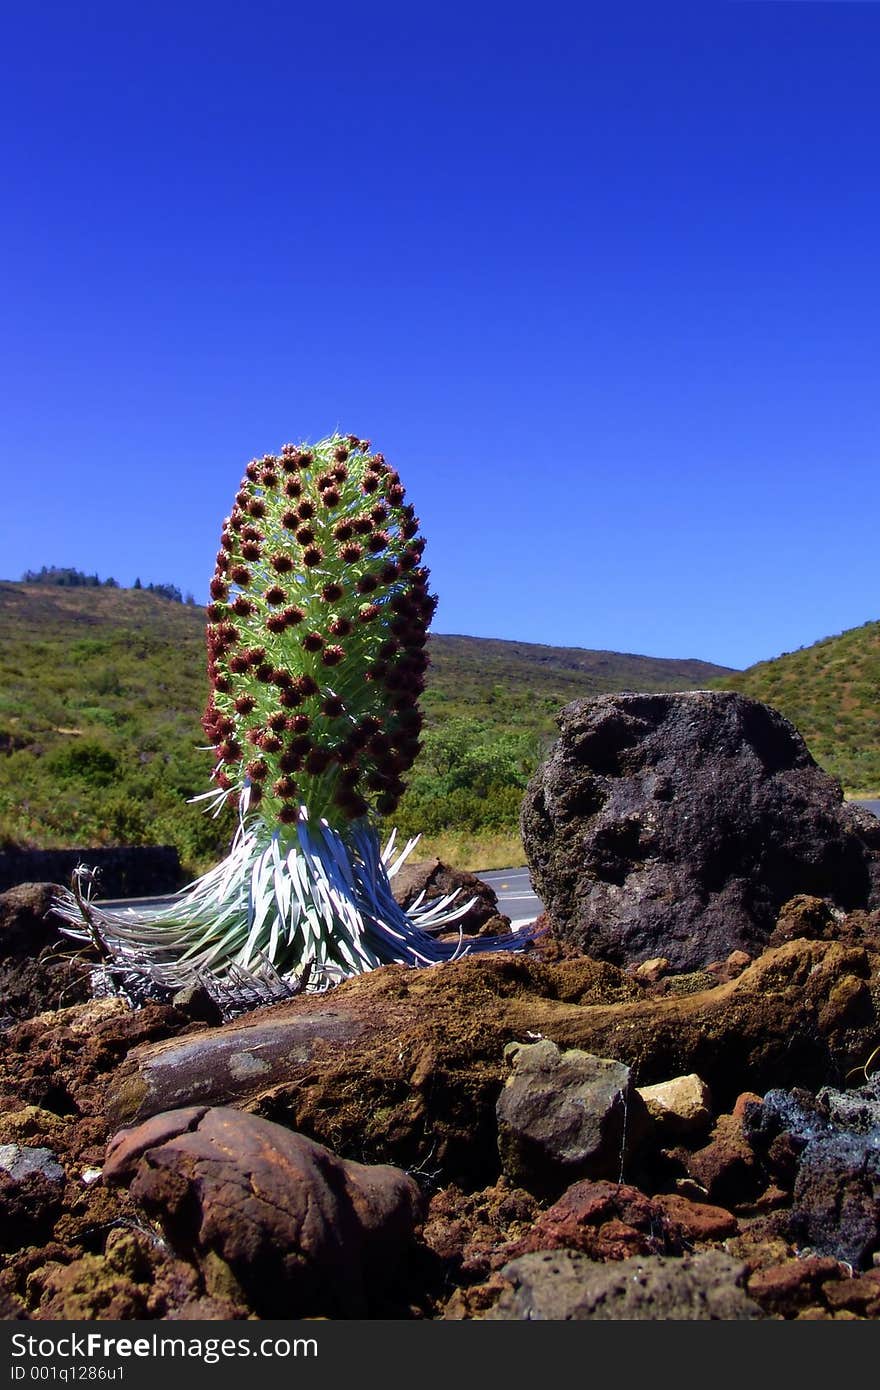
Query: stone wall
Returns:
{"type": "Point", "coordinates": [124, 871]}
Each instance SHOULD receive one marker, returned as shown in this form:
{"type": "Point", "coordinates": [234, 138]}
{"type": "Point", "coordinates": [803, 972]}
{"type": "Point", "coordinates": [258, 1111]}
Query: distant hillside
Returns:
{"type": "Point", "coordinates": [512, 681]}
{"type": "Point", "coordinates": [102, 690]}
{"type": "Point", "coordinates": [831, 692]}
{"type": "Point", "coordinates": [101, 693]}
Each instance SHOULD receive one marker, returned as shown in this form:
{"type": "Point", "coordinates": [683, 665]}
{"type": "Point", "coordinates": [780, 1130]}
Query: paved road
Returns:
{"type": "Point", "coordinates": [516, 898]}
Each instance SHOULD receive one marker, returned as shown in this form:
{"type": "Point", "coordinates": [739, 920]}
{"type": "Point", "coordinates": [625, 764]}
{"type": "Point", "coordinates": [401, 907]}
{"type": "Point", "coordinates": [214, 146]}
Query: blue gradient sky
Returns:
{"type": "Point", "coordinates": [600, 280]}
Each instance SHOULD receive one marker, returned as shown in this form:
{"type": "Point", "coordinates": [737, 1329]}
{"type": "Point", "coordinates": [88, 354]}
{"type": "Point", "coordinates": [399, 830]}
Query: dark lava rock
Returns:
{"type": "Point", "coordinates": [566, 1115]}
{"type": "Point", "coordinates": [30, 1203]}
{"type": "Point", "coordinates": [678, 825]}
{"type": "Point", "coordinates": [565, 1285]}
{"type": "Point", "coordinates": [301, 1231]}
{"type": "Point", "coordinates": [430, 879]}
{"type": "Point", "coordinates": [38, 965]}
{"type": "Point", "coordinates": [828, 1148]}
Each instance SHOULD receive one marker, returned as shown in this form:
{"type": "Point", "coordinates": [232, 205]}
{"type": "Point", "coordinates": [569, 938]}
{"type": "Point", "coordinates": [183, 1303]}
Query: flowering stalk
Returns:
{"type": "Point", "coordinates": [316, 634]}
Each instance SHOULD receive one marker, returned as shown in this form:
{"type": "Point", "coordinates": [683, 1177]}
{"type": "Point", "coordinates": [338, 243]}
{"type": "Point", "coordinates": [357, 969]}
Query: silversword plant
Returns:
{"type": "Point", "coordinates": [316, 639]}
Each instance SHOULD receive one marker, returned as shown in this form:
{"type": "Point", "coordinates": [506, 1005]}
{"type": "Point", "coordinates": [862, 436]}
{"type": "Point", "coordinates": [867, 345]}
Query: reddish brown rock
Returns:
{"type": "Point", "coordinates": [726, 1167]}
{"type": "Point", "coordinates": [731, 968]}
{"type": "Point", "coordinates": [470, 1233]}
{"type": "Point", "coordinates": [605, 1220]}
{"type": "Point", "coordinates": [784, 1289]}
{"type": "Point", "coordinates": [859, 1295]}
{"type": "Point", "coordinates": [304, 1233]}
{"type": "Point", "coordinates": [650, 971]}
{"type": "Point", "coordinates": [692, 1221]}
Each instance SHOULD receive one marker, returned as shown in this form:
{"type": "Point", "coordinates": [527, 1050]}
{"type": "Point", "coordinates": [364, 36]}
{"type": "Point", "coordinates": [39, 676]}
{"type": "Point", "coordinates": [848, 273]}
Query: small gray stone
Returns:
{"type": "Point", "coordinates": [196, 1002]}
{"type": "Point", "coordinates": [21, 1161]}
{"type": "Point", "coordinates": [564, 1116]}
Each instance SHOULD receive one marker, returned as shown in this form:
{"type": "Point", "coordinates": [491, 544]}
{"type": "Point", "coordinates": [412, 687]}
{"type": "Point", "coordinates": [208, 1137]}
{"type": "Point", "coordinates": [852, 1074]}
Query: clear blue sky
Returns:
{"type": "Point", "coordinates": [600, 280]}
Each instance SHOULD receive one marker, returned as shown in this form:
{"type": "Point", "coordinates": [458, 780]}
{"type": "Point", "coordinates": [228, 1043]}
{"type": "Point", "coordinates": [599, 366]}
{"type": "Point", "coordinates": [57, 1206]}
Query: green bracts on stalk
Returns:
{"type": "Point", "coordinates": [316, 634]}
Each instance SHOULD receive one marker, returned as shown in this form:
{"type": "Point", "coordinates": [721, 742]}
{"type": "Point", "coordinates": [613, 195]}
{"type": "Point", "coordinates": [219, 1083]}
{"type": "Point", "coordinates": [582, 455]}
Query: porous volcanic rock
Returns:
{"type": "Point", "coordinates": [303, 1232]}
{"type": "Point", "coordinates": [605, 1220]}
{"type": "Point", "coordinates": [678, 825]}
{"type": "Point", "coordinates": [726, 1166]}
{"type": "Point", "coordinates": [565, 1285]}
{"type": "Point", "coordinates": [827, 1147]}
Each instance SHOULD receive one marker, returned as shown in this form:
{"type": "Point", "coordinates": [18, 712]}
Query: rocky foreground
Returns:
{"type": "Point", "coordinates": [533, 1136]}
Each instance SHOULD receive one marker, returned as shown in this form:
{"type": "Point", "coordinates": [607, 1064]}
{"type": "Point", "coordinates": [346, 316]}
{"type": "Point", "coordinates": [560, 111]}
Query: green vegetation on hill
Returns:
{"type": "Point", "coordinates": [102, 691]}
{"type": "Point", "coordinates": [831, 692]}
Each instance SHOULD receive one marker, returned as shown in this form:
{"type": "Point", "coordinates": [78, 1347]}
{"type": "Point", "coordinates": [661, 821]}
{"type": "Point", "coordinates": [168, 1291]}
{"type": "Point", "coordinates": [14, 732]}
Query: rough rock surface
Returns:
{"type": "Point", "coordinates": [726, 1166]}
{"type": "Point", "coordinates": [566, 1115]}
{"type": "Point", "coordinates": [38, 965]}
{"type": "Point", "coordinates": [682, 1105]}
{"type": "Point", "coordinates": [678, 825]}
{"type": "Point", "coordinates": [605, 1220]}
{"type": "Point", "coordinates": [435, 879]}
{"type": "Point", "coordinates": [828, 1146]}
{"type": "Point", "coordinates": [405, 1066]}
{"type": "Point", "coordinates": [303, 1232]}
{"type": "Point", "coordinates": [23, 1160]}
{"type": "Point", "coordinates": [568, 1286]}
